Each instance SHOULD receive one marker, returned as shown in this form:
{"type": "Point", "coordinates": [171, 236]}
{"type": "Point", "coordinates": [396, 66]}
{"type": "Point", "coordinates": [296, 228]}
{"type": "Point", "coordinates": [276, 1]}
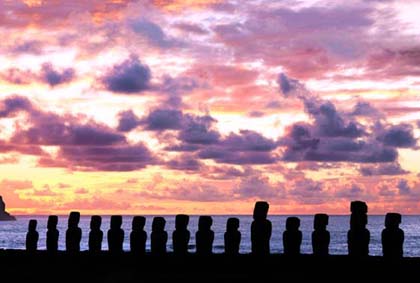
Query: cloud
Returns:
{"type": "Point", "coordinates": [198, 130]}
{"type": "Point", "coordinates": [154, 34]}
{"type": "Point", "coordinates": [164, 119]}
{"type": "Point", "coordinates": [258, 186]}
{"type": "Point", "coordinates": [82, 145]}
{"type": "Point", "coordinates": [390, 169]}
{"type": "Point", "coordinates": [127, 121]}
{"type": "Point", "coordinates": [398, 136]}
{"type": "Point", "coordinates": [184, 163]}
{"type": "Point", "coordinates": [53, 77]}
{"type": "Point", "coordinates": [128, 77]}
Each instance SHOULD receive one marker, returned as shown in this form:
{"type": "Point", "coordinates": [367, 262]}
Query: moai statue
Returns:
{"type": "Point", "coordinates": [320, 235]}
{"type": "Point", "coordinates": [95, 235]}
{"type": "Point", "coordinates": [115, 235]}
{"type": "Point", "coordinates": [205, 236]}
{"type": "Point", "coordinates": [358, 237]}
{"type": "Point", "coordinates": [181, 235]}
{"type": "Point", "coordinates": [232, 237]}
{"type": "Point", "coordinates": [158, 237]}
{"type": "Point", "coordinates": [138, 236]}
{"type": "Point", "coordinates": [392, 237]}
{"type": "Point", "coordinates": [73, 233]}
{"type": "Point", "coordinates": [32, 236]}
{"type": "Point", "coordinates": [52, 233]}
{"type": "Point", "coordinates": [292, 237]}
{"type": "Point", "coordinates": [261, 229]}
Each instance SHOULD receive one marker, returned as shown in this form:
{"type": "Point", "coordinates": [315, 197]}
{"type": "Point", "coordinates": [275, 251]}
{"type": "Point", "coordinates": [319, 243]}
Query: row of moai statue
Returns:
{"type": "Point", "coordinates": [358, 236]}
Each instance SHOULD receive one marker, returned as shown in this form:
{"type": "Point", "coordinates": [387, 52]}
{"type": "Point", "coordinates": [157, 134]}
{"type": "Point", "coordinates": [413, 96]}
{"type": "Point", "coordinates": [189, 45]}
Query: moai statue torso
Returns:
{"type": "Point", "coordinates": [320, 235]}
{"type": "Point", "coordinates": [181, 235]}
{"type": "Point", "coordinates": [95, 234]}
{"type": "Point", "coordinates": [115, 235]}
{"type": "Point", "coordinates": [204, 236]}
{"type": "Point", "coordinates": [52, 234]}
{"type": "Point", "coordinates": [392, 236]}
{"type": "Point", "coordinates": [73, 233]}
{"type": "Point", "coordinates": [138, 236]}
{"type": "Point", "coordinates": [159, 237]}
{"type": "Point", "coordinates": [32, 236]}
{"type": "Point", "coordinates": [232, 237]}
{"type": "Point", "coordinates": [358, 237]}
{"type": "Point", "coordinates": [292, 237]}
{"type": "Point", "coordinates": [261, 229]}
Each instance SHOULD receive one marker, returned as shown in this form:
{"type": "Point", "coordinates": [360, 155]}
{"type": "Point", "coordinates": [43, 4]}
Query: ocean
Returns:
{"type": "Point", "coordinates": [12, 234]}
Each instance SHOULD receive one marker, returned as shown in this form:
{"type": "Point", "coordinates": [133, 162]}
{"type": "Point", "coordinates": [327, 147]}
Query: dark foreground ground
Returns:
{"type": "Point", "coordinates": [18, 266]}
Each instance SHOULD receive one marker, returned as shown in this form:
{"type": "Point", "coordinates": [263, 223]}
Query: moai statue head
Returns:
{"type": "Point", "coordinates": [138, 223]}
{"type": "Point", "coordinates": [392, 220]}
{"type": "Point", "coordinates": [158, 224]}
{"type": "Point", "coordinates": [358, 207]}
{"type": "Point", "coordinates": [32, 225]}
{"type": "Point", "coordinates": [204, 223]}
{"type": "Point", "coordinates": [181, 221]}
{"type": "Point", "coordinates": [52, 222]}
{"type": "Point", "coordinates": [74, 219]}
{"type": "Point", "coordinates": [320, 221]}
{"type": "Point", "coordinates": [292, 224]}
{"type": "Point", "coordinates": [232, 224]}
{"type": "Point", "coordinates": [116, 222]}
{"type": "Point", "coordinates": [95, 222]}
{"type": "Point", "coordinates": [260, 210]}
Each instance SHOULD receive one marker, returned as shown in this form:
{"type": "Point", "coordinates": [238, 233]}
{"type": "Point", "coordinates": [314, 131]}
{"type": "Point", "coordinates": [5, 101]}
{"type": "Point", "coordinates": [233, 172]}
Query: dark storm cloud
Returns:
{"type": "Point", "coordinates": [128, 77]}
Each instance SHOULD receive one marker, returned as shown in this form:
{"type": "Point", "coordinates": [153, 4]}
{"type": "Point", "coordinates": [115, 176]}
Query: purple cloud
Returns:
{"type": "Point", "coordinates": [398, 136]}
{"type": "Point", "coordinates": [383, 169]}
{"type": "Point", "coordinates": [53, 77]}
{"type": "Point", "coordinates": [128, 77]}
{"type": "Point", "coordinates": [127, 121]}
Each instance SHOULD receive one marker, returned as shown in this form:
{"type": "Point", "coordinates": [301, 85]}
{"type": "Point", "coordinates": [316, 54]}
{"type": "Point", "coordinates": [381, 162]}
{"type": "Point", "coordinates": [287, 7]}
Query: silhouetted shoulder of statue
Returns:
{"type": "Point", "coordinates": [32, 236]}
{"type": "Point", "coordinates": [320, 235]}
{"type": "Point", "coordinates": [4, 215]}
{"type": "Point", "coordinates": [204, 236]}
{"type": "Point", "coordinates": [138, 236]}
{"type": "Point", "coordinates": [232, 236]}
{"type": "Point", "coordinates": [181, 235]}
{"type": "Point", "coordinates": [52, 233]}
{"type": "Point", "coordinates": [260, 229]}
{"type": "Point", "coordinates": [392, 236]}
{"type": "Point", "coordinates": [292, 237]}
{"type": "Point", "coordinates": [95, 235]}
{"type": "Point", "coordinates": [158, 237]}
{"type": "Point", "coordinates": [115, 235]}
{"type": "Point", "coordinates": [73, 233]}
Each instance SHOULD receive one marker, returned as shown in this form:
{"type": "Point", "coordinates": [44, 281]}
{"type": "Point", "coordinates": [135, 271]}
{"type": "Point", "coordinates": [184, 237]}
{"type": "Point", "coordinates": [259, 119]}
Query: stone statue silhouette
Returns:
{"type": "Point", "coordinates": [95, 235]}
{"type": "Point", "coordinates": [73, 233]}
{"type": "Point", "coordinates": [158, 237]}
{"type": "Point", "coordinates": [232, 236]}
{"type": "Point", "coordinates": [32, 236]}
{"type": "Point", "coordinates": [138, 236]}
{"type": "Point", "coordinates": [52, 233]}
{"type": "Point", "coordinates": [181, 235]}
{"type": "Point", "coordinates": [320, 235]}
{"type": "Point", "coordinates": [292, 237]}
{"type": "Point", "coordinates": [204, 236]}
{"type": "Point", "coordinates": [260, 229]}
{"type": "Point", "coordinates": [392, 236]}
{"type": "Point", "coordinates": [115, 235]}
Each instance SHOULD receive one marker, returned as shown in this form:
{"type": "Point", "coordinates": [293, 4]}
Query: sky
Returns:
{"type": "Point", "coordinates": [204, 107]}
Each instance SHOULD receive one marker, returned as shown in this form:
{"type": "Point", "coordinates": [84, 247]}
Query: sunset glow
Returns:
{"type": "Point", "coordinates": [163, 107]}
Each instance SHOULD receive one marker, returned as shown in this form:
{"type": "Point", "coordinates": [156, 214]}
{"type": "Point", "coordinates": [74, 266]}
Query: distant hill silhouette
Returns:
{"type": "Point", "coordinates": [4, 216]}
